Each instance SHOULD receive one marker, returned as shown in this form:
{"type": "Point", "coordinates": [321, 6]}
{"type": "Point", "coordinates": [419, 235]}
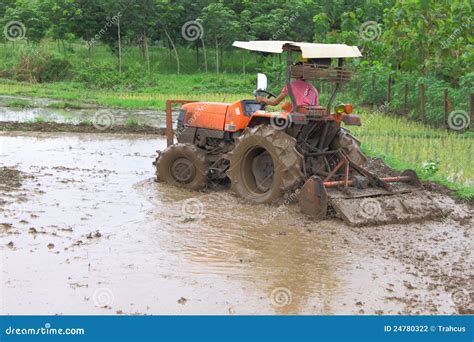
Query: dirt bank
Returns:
{"type": "Point", "coordinates": [86, 230]}
{"type": "Point", "coordinates": [82, 128]}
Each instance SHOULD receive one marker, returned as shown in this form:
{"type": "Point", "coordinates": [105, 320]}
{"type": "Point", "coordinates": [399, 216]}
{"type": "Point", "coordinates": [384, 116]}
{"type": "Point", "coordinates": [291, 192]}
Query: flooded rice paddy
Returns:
{"type": "Point", "coordinates": [85, 229]}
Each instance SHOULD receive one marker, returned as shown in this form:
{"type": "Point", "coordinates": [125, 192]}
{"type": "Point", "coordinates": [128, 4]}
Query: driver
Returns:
{"type": "Point", "coordinates": [305, 94]}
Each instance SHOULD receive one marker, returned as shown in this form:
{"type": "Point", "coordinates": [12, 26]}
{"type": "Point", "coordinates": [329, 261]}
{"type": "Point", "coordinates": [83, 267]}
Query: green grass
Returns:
{"type": "Point", "coordinates": [133, 122]}
{"type": "Point", "coordinates": [18, 104]}
{"type": "Point", "coordinates": [67, 105]}
{"type": "Point", "coordinates": [76, 96]}
{"type": "Point", "coordinates": [38, 120]}
{"type": "Point", "coordinates": [404, 144]}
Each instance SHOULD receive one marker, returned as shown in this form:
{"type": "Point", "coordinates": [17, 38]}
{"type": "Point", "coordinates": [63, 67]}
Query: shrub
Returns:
{"type": "Point", "coordinates": [36, 65]}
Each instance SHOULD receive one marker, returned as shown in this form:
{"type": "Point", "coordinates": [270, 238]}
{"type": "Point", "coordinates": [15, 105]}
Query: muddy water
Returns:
{"type": "Point", "coordinates": [86, 230]}
{"type": "Point", "coordinates": [75, 116]}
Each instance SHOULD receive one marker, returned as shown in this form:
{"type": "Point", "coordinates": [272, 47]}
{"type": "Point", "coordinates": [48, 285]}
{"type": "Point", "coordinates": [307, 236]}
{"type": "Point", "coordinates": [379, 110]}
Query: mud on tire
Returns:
{"type": "Point", "coordinates": [350, 145]}
{"type": "Point", "coordinates": [183, 165]}
{"type": "Point", "coordinates": [258, 150]}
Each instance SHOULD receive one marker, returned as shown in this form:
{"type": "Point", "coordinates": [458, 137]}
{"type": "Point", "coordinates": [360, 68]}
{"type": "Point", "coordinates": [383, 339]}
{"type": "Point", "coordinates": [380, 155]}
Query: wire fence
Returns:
{"type": "Point", "coordinates": [419, 99]}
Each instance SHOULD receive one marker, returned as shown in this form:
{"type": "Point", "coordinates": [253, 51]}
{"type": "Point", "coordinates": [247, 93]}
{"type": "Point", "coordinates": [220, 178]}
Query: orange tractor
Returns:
{"type": "Point", "coordinates": [297, 154]}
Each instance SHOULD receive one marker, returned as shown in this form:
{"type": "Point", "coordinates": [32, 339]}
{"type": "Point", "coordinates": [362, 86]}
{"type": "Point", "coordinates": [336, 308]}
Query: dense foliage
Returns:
{"type": "Point", "coordinates": [129, 43]}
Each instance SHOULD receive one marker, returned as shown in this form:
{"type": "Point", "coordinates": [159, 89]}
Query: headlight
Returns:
{"type": "Point", "coordinates": [343, 108]}
{"type": "Point", "coordinates": [340, 108]}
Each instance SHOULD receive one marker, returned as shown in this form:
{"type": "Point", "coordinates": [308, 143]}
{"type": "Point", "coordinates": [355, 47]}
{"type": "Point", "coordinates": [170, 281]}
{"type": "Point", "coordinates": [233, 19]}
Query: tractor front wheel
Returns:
{"type": "Point", "coordinates": [183, 165]}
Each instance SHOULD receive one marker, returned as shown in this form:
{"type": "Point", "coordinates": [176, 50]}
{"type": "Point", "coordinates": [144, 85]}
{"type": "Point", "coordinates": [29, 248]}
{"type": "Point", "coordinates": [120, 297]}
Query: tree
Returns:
{"type": "Point", "coordinates": [32, 16]}
{"type": "Point", "coordinates": [220, 26]}
{"type": "Point", "coordinates": [61, 14]}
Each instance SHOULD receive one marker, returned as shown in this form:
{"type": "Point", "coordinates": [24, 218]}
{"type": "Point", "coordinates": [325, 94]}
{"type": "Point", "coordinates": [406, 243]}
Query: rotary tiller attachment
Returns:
{"type": "Point", "coordinates": [370, 200]}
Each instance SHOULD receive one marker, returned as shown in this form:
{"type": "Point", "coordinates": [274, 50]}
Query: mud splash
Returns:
{"type": "Point", "coordinates": [88, 231]}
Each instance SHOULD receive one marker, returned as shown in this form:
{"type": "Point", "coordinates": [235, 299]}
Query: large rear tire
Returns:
{"type": "Point", "coordinates": [183, 165]}
{"type": "Point", "coordinates": [264, 165]}
{"type": "Point", "coordinates": [350, 145]}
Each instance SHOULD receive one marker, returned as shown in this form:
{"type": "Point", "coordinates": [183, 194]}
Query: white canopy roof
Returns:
{"type": "Point", "coordinates": [308, 50]}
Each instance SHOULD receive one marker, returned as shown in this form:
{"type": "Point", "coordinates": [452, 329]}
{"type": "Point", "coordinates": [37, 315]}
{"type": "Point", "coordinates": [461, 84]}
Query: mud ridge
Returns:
{"type": "Point", "coordinates": [82, 128]}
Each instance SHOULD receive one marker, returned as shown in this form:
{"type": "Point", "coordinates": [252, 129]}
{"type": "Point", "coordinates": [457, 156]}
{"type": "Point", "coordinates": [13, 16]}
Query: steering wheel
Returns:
{"type": "Point", "coordinates": [269, 95]}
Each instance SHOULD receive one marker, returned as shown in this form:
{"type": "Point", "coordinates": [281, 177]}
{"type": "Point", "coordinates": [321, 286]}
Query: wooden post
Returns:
{"type": "Point", "coordinates": [169, 124]}
{"type": "Point", "coordinates": [471, 124]}
{"type": "Point", "coordinates": [357, 87]}
{"type": "Point", "coordinates": [446, 109]}
{"type": "Point", "coordinates": [389, 89]}
{"type": "Point", "coordinates": [422, 101]}
{"type": "Point", "coordinates": [373, 86]}
{"type": "Point", "coordinates": [405, 99]}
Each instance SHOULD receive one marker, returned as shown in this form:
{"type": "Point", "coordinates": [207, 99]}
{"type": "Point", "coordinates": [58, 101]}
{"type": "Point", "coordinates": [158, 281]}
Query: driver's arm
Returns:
{"type": "Point", "coordinates": [270, 102]}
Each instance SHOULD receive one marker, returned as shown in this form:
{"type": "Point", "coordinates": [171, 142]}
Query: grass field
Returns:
{"type": "Point", "coordinates": [437, 155]}
{"type": "Point", "coordinates": [188, 87]}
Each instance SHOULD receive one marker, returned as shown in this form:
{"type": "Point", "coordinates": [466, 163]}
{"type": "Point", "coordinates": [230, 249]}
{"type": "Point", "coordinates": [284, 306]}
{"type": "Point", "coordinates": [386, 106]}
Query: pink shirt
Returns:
{"type": "Point", "coordinates": [305, 93]}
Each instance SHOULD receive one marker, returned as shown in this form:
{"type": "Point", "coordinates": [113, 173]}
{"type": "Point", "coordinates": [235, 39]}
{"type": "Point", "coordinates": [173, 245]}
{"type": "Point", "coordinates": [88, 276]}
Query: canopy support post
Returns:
{"type": "Point", "coordinates": [288, 81]}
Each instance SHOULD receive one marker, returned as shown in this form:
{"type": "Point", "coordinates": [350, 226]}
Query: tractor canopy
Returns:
{"type": "Point", "coordinates": [308, 50]}
{"type": "Point", "coordinates": [318, 67]}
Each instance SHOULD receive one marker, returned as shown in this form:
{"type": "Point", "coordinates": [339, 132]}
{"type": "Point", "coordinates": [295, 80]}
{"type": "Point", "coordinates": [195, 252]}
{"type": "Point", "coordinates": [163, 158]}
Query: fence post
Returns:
{"type": "Point", "coordinates": [389, 89]}
{"type": "Point", "coordinates": [446, 109]}
{"type": "Point", "coordinates": [373, 85]}
{"type": "Point", "coordinates": [405, 99]}
{"type": "Point", "coordinates": [471, 124]}
{"type": "Point", "coordinates": [422, 101]}
{"type": "Point", "coordinates": [357, 87]}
